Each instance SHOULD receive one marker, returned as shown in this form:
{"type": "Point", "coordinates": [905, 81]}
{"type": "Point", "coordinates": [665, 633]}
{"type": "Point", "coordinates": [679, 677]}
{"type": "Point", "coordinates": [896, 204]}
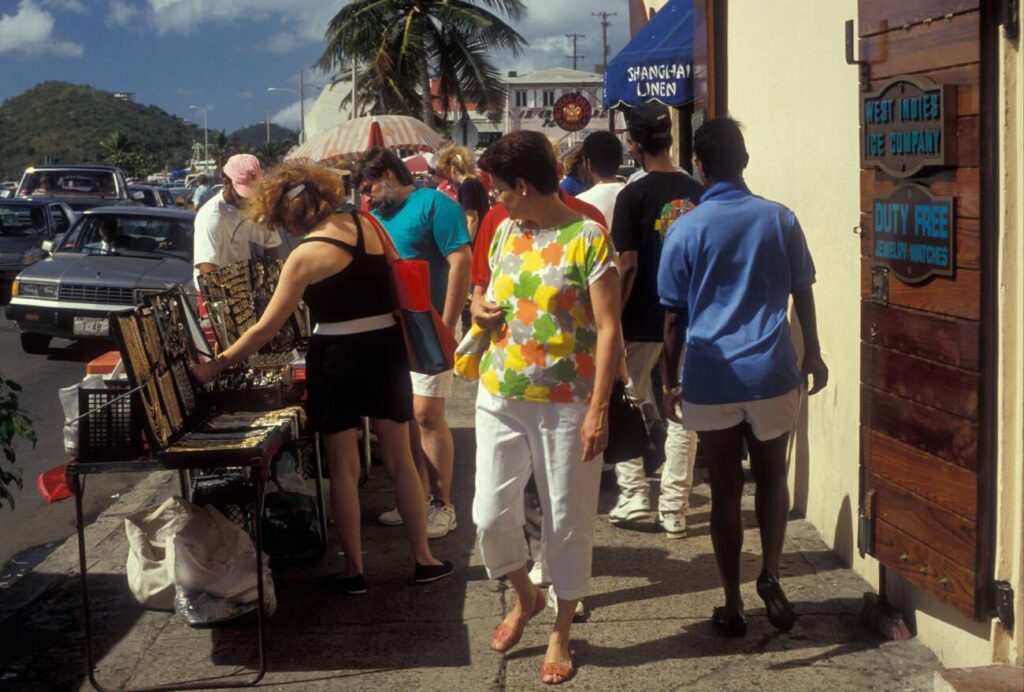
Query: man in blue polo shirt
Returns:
{"type": "Point", "coordinates": [428, 225]}
{"type": "Point", "coordinates": [727, 271]}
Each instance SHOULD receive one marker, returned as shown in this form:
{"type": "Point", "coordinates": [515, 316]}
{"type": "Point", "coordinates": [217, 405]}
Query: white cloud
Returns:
{"type": "Point", "coordinates": [244, 95]}
{"type": "Point", "coordinates": [289, 116]}
{"type": "Point", "coordinates": [121, 12]}
{"type": "Point", "coordinates": [30, 32]}
{"type": "Point", "coordinates": [66, 5]}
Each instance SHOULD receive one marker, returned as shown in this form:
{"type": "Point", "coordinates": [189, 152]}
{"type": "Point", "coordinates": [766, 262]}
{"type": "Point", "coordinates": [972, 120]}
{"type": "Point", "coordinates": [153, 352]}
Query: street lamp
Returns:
{"type": "Point", "coordinates": [302, 102]}
{"type": "Point", "coordinates": [206, 137]}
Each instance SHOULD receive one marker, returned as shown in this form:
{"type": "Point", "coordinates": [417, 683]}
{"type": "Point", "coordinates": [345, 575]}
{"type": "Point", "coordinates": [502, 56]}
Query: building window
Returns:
{"type": "Point", "coordinates": [520, 99]}
{"type": "Point", "coordinates": [549, 97]}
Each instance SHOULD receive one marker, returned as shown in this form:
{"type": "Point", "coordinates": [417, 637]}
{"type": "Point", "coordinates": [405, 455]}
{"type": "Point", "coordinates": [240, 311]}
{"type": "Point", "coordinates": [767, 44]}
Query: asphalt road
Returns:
{"type": "Point", "coordinates": [32, 526]}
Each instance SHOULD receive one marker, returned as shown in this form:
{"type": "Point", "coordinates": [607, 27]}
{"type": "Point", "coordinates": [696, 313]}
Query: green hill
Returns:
{"type": "Point", "coordinates": [58, 122]}
{"type": "Point", "coordinates": [256, 135]}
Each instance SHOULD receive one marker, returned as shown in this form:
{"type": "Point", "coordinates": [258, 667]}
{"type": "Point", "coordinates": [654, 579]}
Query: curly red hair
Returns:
{"type": "Point", "coordinates": [296, 197]}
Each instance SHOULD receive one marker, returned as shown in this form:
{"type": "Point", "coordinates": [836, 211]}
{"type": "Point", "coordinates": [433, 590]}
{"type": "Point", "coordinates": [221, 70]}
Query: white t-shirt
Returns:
{"type": "Point", "coordinates": [602, 196]}
{"type": "Point", "coordinates": [223, 234]}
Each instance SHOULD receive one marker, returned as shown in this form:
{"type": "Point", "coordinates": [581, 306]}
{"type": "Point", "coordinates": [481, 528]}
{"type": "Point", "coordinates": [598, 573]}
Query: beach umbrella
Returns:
{"type": "Point", "coordinates": [418, 163]}
{"type": "Point", "coordinates": [352, 138]}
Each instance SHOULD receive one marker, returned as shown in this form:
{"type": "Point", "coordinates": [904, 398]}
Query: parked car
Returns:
{"type": "Point", "coordinates": [24, 226]}
{"type": "Point", "coordinates": [80, 187]}
{"type": "Point", "coordinates": [151, 196]}
{"type": "Point", "coordinates": [110, 260]}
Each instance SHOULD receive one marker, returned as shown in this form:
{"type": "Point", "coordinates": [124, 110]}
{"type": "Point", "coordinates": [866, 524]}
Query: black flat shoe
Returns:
{"type": "Point", "coordinates": [780, 612]}
{"type": "Point", "coordinates": [424, 574]}
{"type": "Point", "coordinates": [729, 625]}
{"type": "Point", "coordinates": [351, 586]}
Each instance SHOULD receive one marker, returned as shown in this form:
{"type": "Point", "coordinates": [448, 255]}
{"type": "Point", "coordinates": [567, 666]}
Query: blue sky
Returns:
{"type": "Point", "coordinates": [223, 54]}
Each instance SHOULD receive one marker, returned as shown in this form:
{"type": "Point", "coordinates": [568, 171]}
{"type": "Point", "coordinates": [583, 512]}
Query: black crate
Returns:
{"type": "Point", "coordinates": [110, 428]}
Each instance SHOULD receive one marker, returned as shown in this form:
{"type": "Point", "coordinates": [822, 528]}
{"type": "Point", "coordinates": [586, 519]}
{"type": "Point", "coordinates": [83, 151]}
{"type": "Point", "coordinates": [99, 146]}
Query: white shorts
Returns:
{"type": "Point", "coordinates": [768, 418]}
{"type": "Point", "coordinates": [438, 386]}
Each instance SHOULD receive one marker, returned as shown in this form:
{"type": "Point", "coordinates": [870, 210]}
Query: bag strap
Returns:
{"type": "Point", "coordinates": [495, 256]}
{"type": "Point", "coordinates": [388, 245]}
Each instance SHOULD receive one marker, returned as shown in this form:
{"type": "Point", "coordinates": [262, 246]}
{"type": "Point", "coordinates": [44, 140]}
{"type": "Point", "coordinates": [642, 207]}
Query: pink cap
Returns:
{"type": "Point", "coordinates": [244, 171]}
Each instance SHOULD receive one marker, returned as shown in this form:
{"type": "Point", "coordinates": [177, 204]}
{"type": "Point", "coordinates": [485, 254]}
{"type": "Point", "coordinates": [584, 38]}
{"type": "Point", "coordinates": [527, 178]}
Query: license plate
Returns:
{"type": "Point", "coordinates": [91, 326]}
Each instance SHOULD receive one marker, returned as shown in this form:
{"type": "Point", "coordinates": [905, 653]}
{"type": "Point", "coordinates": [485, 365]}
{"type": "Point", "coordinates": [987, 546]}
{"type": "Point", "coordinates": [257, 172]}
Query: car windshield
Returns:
{"type": "Point", "coordinates": [65, 183]}
{"type": "Point", "coordinates": [16, 219]}
{"type": "Point", "coordinates": [131, 236]}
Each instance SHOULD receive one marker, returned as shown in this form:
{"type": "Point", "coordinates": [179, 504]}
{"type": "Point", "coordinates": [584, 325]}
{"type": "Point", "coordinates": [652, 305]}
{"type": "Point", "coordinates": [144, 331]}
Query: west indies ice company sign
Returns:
{"type": "Point", "coordinates": [907, 125]}
{"type": "Point", "coordinates": [914, 233]}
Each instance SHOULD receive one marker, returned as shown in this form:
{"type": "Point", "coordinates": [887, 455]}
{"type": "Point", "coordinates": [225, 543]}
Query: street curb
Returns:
{"type": "Point", "coordinates": [62, 563]}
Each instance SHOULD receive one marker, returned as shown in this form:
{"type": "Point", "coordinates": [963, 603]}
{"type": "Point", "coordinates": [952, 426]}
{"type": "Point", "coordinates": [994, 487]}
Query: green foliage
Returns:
{"type": "Point", "coordinates": [401, 44]}
{"type": "Point", "coordinates": [58, 122]}
{"type": "Point", "coordinates": [14, 424]}
{"type": "Point", "coordinates": [255, 135]}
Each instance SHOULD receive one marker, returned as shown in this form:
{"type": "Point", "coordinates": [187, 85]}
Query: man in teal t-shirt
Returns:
{"type": "Point", "coordinates": [428, 225]}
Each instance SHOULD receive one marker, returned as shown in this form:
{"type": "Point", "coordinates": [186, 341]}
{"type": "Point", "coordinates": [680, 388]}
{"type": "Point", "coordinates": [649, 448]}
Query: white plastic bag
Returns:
{"type": "Point", "coordinates": [215, 570]}
{"type": "Point", "coordinates": [150, 565]}
{"type": "Point", "coordinates": [69, 403]}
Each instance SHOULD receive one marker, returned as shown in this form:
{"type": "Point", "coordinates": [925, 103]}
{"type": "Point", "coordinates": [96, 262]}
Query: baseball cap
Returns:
{"type": "Point", "coordinates": [649, 121]}
{"type": "Point", "coordinates": [244, 171]}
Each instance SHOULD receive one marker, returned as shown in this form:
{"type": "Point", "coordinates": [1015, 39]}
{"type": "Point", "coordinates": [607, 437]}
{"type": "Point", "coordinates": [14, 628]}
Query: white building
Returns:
{"type": "Point", "coordinates": [531, 97]}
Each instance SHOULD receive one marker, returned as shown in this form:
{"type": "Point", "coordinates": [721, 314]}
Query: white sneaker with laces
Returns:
{"type": "Point", "coordinates": [673, 524]}
{"type": "Point", "coordinates": [538, 575]}
{"type": "Point", "coordinates": [392, 517]}
{"type": "Point", "coordinates": [440, 520]}
{"type": "Point", "coordinates": [635, 507]}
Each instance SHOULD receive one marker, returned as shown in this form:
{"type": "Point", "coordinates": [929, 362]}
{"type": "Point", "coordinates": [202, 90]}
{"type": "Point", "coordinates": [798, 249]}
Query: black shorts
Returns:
{"type": "Point", "coordinates": [357, 375]}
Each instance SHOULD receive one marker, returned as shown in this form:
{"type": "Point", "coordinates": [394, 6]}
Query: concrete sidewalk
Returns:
{"type": "Point", "coordinates": [646, 625]}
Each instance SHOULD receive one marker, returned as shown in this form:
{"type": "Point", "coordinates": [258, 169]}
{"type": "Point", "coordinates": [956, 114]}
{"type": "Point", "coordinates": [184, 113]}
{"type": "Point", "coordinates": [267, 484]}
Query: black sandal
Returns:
{"type": "Point", "coordinates": [351, 586]}
{"type": "Point", "coordinates": [780, 612]}
{"type": "Point", "coordinates": [729, 625]}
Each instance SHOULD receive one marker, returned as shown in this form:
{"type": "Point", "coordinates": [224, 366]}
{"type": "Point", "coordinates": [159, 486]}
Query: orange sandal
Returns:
{"type": "Point", "coordinates": [505, 637]}
{"type": "Point", "coordinates": [563, 672]}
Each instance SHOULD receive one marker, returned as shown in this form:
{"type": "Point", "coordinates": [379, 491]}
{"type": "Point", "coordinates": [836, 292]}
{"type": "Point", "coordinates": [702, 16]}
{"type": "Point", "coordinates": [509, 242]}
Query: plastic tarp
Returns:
{"type": "Point", "coordinates": [657, 64]}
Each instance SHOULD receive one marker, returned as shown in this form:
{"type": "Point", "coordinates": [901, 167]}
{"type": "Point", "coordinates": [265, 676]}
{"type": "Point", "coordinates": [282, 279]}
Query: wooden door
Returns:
{"type": "Point", "coordinates": [924, 386]}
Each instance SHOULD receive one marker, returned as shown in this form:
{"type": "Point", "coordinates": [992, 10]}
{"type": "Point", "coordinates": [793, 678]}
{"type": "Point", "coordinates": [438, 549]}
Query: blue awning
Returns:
{"type": "Point", "coordinates": [657, 64]}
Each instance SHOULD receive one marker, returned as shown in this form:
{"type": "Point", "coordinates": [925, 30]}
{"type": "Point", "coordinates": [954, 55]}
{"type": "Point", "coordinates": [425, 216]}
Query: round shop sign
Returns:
{"type": "Point", "coordinates": [572, 112]}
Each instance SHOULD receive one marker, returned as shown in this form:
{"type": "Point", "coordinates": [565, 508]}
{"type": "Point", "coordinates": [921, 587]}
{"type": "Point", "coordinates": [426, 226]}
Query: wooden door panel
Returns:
{"type": "Point", "coordinates": [938, 528]}
{"type": "Point", "coordinates": [938, 433]}
{"type": "Point", "coordinates": [957, 297]}
{"type": "Point", "coordinates": [943, 483]}
{"type": "Point", "coordinates": [926, 568]}
{"type": "Point", "coordinates": [921, 334]}
{"type": "Point", "coordinates": [964, 184]}
{"type": "Point", "coordinates": [948, 389]}
{"type": "Point", "coordinates": [944, 43]}
{"type": "Point", "coordinates": [876, 16]}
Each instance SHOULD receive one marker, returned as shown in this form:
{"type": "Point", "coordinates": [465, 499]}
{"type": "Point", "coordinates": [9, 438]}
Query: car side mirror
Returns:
{"type": "Point", "coordinates": [48, 245]}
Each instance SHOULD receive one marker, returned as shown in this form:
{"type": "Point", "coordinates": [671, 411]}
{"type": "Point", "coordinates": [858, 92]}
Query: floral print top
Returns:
{"type": "Point", "coordinates": [544, 352]}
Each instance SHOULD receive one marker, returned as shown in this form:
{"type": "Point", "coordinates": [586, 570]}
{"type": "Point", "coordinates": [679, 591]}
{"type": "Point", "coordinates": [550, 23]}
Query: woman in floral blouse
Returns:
{"type": "Point", "coordinates": [542, 407]}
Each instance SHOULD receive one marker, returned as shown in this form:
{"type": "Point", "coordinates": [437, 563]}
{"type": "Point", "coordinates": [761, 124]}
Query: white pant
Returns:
{"type": "Point", "coordinates": [513, 437]}
{"type": "Point", "coordinates": [680, 444]}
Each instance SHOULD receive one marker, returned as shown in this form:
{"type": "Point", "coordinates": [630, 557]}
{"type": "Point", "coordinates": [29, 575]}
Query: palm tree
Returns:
{"type": "Point", "coordinates": [403, 42]}
{"type": "Point", "coordinates": [115, 145]}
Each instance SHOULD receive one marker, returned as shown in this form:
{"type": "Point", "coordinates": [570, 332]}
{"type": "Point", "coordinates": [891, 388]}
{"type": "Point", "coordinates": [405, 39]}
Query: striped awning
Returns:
{"type": "Point", "coordinates": [350, 139]}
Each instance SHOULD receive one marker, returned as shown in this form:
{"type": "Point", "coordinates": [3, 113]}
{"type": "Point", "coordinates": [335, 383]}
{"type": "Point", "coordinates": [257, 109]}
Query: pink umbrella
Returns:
{"type": "Point", "coordinates": [352, 138]}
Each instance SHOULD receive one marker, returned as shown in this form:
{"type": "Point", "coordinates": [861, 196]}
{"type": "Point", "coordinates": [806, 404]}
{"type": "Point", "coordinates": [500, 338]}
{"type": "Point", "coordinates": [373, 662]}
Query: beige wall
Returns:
{"type": "Point", "coordinates": [790, 87]}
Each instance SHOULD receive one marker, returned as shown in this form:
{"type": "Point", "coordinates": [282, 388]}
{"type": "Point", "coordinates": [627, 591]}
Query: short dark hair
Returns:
{"type": "Point", "coordinates": [373, 164]}
{"type": "Point", "coordinates": [202, 179]}
{"type": "Point", "coordinates": [604, 151]}
{"type": "Point", "coordinates": [523, 154]}
{"type": "Point", "coordinates": [719, 146]}
{"type": "Point", "coordinates": [650, 126]}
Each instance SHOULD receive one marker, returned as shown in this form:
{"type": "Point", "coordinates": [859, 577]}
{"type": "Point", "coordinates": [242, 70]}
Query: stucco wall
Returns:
{"type": "Point", "coordinates": [790, 87]}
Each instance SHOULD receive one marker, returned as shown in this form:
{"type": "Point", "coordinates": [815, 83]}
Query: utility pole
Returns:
{"type": "Point", "coordinates": [574, 37]}
{"type": "Point", "coordinates": [302, 107]}
{"type": "Point", "coordinates": [268, 127]}
{"type": "Point", "coordinates": [604, 42]}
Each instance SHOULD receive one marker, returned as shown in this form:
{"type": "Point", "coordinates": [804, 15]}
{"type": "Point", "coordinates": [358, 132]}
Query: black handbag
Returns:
{"type": "Point", "coordinates": [627, 432]}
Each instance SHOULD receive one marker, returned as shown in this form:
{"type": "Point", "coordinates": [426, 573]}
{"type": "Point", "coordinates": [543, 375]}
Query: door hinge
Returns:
{"type": "Point", "coordinates": [866, 525]}
{"type": "Point", "coordinates": [880, 285]}
{"type": "Point", "coordinates": [1003, 594]}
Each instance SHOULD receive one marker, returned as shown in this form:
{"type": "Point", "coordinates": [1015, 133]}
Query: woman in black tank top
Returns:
{"type": "Point", "coordinates": [356, 365]}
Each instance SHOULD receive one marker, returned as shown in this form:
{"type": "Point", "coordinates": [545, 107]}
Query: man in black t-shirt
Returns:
{"type": "Point", "coordinates": [644, 210]}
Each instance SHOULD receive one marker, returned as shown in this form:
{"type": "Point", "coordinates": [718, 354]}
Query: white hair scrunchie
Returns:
{"type": "Point", "coordinates": [295, 191]}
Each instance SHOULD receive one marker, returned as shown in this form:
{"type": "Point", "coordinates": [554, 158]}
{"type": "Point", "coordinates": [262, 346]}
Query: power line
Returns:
{"type": "Point", "coordinates": [575, 57]}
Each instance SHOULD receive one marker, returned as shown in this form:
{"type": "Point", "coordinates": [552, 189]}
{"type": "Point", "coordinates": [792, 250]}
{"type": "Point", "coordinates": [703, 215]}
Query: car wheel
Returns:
{"type": "Point", "coordinates": [36, 344]}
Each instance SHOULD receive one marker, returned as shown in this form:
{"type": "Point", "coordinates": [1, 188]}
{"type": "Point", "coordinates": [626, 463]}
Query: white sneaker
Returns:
{"type": "Point", "coordinates": [635, 507]}
{"type": "Point", "coordinates": [552, 601]}
{"type": "Point", "coordinates": [440, 520]}
{"type": "Point", "coordinates": [673, 524]}
{"type": "Point", "coordinates": [392, 517]}
{"type": "Point", "coordinates": [538, 575]}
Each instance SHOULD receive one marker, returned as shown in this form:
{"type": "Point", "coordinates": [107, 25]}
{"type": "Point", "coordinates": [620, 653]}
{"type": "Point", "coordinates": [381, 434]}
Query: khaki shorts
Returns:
{"type": "Point", "coordinates": [438, 386]}
{"type": "Point", "coordinates": [768, 418]}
